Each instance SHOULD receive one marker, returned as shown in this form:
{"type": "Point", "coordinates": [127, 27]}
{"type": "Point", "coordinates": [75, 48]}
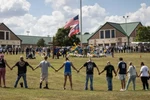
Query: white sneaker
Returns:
{"type": "Point", "coordinates": [121, 89]}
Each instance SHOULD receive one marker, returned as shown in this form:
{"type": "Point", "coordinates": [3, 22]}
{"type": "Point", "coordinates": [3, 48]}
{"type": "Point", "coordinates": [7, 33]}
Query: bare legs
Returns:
{"type": "Point", "coordinates": [70, 80]}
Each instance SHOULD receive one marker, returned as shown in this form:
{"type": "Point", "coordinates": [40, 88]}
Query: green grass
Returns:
{"type": "Point", "coordinates": [56, 80]}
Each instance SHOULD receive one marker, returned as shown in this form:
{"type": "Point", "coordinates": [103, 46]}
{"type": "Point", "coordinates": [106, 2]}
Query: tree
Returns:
{"type": "Point", "coordinates": [62, 38]}
{"type": "Point", "coordinates": [41, 42]}
{"type": "Point", "coordinates": [143, 34]}
{"type": "Point", "coordinates": [86, 33]}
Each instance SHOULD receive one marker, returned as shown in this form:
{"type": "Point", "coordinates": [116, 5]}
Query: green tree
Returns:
{"type": "Point", "coordinates": [41, 42]}
{"type": "Point", "coordinates": [86, 33]}
{"type": "Point", "coordinates": [143, 34]}
{"type": "Point", "coordinates": [62, 38]}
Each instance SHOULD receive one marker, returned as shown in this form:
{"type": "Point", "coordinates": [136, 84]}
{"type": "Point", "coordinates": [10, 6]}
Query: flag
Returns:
{"type": "Point", "coordinates": [74, 30]}
{"type": "Point", "coordinates": [72, 21]}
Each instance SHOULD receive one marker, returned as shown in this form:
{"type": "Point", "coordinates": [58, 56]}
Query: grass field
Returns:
{"type": "Point", "coordinates": [56, 91]}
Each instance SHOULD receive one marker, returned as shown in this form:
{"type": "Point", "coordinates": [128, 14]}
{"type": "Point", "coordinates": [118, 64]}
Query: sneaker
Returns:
{"type": "Point", "coordinates": [46, 88]}
{"type": "Point", "coordinates": [121, 89]}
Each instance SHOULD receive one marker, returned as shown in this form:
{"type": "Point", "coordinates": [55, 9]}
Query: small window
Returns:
{"type": "Point", "coordinates": [7, 35]}
{"type": "Point", "coordinates": [101, 34]}
{"type": "Point", "coordinates": [112, 33]}
{"type": "Point", "coordinates": [2, 35]}
{"type": "Point", "coordinates": [107, 34]}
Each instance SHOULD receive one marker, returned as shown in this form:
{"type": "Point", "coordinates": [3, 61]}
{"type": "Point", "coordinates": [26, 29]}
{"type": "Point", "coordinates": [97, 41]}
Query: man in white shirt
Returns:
{"type": "Point", "coordinates": [144, 74]}
{"type": "Point", "coordinates": [44, 71]}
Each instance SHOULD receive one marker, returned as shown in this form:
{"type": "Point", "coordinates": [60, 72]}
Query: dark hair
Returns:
{"type": "Point", "coordinates": [142, 63]}
{"type": "Point", "coordinates": [45, 57]}
{"type": "Point", "coordinates": [120, 58]}
{"type": "Point", "coordinates": [67, 58]}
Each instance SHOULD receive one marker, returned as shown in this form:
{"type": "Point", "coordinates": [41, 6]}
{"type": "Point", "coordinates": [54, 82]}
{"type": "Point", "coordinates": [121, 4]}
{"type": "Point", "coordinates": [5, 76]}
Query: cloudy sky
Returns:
{"type": "Point", "coordinates": [44, 17]}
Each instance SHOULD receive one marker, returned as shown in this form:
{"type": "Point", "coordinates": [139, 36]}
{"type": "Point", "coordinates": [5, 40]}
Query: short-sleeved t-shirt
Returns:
{"type": "Point", "coordinates": [22, 67]}
{"type": "Point", "coordinates": [131, 71]}
{"type": "Point", "coordinates": [67, 67]}
{"type": "Point", "coordinates": [144, 70]}
{"type": "Point", "coordinates": [109, 69]}
{"type": "Point", "coordinates": [122, 67]}
{"type": "Point", "coordinates": [89, 67]}
{"type": "Point", "coordinates": [44, 66]}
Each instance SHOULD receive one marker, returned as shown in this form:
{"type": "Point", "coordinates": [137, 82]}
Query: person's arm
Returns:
{"type": "Point", "coordinates": [7, 64]}
{"type": "Point", "coordinates": [102, 71]}
{"type": "Point", "coordinates": [60, 67]}
{"type": "Point", "coordinates": [97, 70]}
{"type": "Point", "coordinates": [53, 68]}
{"type": "Point", "coordinates": [30, 66]}
{"type": "Point", "coordinates": [73, 67]}
{"type": "Point", "coordinates": [115, 72]}
{"type": "Point", "coordinates": [80, 68]}
{"type": "Point", "coordinates": [13, 66]}
{"type": "Point", "coordinates": [37, 67]}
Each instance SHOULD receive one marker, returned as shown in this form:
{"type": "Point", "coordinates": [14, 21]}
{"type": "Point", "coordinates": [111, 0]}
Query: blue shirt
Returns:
{"type": "Point", "coordinates": [67, 66]}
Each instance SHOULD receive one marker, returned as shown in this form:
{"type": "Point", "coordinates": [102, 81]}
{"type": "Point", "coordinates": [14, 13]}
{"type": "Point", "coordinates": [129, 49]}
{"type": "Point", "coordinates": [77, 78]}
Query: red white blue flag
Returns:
{"type": "Point", "coordinates": [74, 30]}
{"type": "Point", "coordinates": [72, 21]}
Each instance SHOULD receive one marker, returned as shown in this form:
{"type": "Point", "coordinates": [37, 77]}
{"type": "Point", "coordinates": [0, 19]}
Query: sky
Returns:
{"type": "Point", "coordinates": [44, 17]}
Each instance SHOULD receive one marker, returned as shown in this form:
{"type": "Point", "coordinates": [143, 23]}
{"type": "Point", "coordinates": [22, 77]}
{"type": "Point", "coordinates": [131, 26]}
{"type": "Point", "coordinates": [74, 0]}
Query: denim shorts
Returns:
{"type": "Point", "coordinates": [67, 73]}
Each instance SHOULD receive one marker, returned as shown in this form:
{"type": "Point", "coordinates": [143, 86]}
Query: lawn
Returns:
{"type": "Point", "coordinates": [56, 91]}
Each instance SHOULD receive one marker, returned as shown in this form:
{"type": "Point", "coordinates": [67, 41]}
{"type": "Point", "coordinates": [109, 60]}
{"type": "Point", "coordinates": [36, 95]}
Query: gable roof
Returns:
{"type": "Point", "coordinates": [34, 39]}
{"type": "Point", "coordinates": [10, 30]}
{"type": "Point", "coordinates": [84, 37]}
{"type": "Point", "coordinates": [122, 27]}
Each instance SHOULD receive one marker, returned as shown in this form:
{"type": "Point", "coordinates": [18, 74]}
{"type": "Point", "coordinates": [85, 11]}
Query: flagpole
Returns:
{"type": "Point", "coordinates": [81, 21]}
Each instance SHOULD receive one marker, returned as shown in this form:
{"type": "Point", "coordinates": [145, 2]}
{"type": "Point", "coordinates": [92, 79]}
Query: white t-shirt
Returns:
{"type": "Point", "coordinates": [144, 70]}
{"type": "Point", "coordinates": [131, 71]}
{"type": "Point", "coordinates": [44, 66]}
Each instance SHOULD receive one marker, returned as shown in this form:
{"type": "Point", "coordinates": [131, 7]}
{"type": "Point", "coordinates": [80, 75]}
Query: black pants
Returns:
{"type": "Point", "coordinates": [145, 82]}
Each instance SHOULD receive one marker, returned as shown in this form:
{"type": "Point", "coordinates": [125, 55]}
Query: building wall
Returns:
{"type": "Point", "coordinates": [13, 39]}
{"type": "Point", "coordinates": [120, 38]}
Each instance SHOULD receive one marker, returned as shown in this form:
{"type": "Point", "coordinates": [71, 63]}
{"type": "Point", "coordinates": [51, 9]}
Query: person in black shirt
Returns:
{"type": "Point", "coordinates": [109, 75]}
{"type": "Point", "coordinates": [90, 65]}
{"type": "Point", "coordinates": [22, 69]}
{"type": "Point", "coordinates": [122, 69]}
{"type": "Point", "coordinates": [3, 64]}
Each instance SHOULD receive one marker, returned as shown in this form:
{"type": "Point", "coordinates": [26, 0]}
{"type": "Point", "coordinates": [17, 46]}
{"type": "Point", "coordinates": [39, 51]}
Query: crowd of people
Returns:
{"type": "Point", "coordinates": [89, 65]}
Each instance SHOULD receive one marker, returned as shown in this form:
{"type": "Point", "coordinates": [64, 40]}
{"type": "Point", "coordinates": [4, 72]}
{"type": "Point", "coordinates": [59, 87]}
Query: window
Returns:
{"type": "Point", "coordinates": [112, 33]}
{"type": "Point", "coordinates": [107, 33]}
{"type": "Point", "coordinates": [7, 35]}
{"type": "Point", "coordinates": [2, 35]}
{"type": "Point", "coordinates": [102, 34]}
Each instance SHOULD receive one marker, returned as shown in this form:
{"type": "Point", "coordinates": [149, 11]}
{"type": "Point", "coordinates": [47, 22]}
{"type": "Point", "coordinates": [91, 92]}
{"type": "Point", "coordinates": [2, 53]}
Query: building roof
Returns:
{"type": "Point", "coordinates": [122, 27]}
{"type": "Point", "coordinates": [84, 37]}
{"type": "Point", "coordinates": [10, 30]}
{"type": "Point", "coordinates": [34, 39]}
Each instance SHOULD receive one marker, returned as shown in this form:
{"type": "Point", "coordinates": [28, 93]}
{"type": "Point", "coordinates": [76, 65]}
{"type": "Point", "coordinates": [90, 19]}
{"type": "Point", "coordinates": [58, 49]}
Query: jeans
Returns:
{"type": "Point", "coordinates": [131, 78]}
{"type": "Point", "coordinates": [24, 79]}
{"type": "Point", "coordinates": [109, 83]}
{"type": "Point", "coordinates": [91, 82]}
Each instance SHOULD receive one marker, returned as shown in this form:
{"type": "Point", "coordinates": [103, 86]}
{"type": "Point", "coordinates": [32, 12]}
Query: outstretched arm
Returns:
{"type": "Point", "coordinates": [31, 67]}
{"type": "Point", "coordinates": [61, 67]}
{"type": "Point", "coordinates": [53, 68]}
{"type": "Point", "coordinates": [98, 70]}
{"type": "Point", "coordinates": [80, 68]}
{"type": "Point", "coordinates": [102, 71]}
{"type": "Point", "coordinates": [7, 64]}
{"type": "Point", "coordinates": [74, 67]}
{"type": "Point", "coordinates": [13, 67]}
